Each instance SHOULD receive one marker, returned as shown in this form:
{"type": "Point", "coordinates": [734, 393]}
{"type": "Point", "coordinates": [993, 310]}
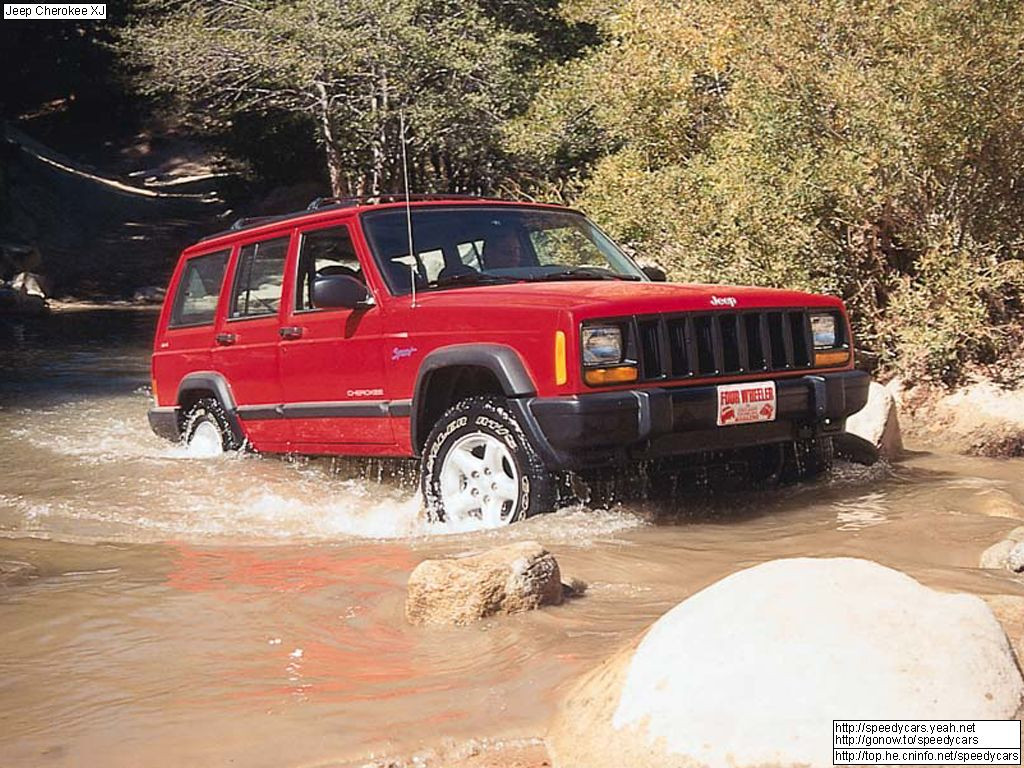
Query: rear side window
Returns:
{"type": "Point", "coordinates": [258, 278]}
{"type": "Point", "coordinates": [322, 253]}
{"type": "Point", "coordinates": [199, 289]}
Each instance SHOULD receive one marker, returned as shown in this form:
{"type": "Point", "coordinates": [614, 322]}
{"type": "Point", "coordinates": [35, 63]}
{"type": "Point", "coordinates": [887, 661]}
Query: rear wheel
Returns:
{"type": "Point", "coordinates": [207, 430]}
{"type": "Point", "coordinates": [480, 470]}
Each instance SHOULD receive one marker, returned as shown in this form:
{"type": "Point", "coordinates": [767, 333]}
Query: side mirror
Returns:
{"type": "Point", "coordinates": [656, 274]}
{"type": "Point", "coordinates": [338, 292]}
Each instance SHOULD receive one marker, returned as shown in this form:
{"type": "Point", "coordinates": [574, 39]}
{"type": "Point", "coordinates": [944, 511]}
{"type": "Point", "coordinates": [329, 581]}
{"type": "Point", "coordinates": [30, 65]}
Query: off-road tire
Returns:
{"type": "Point", "coordinates": [492, 416]}
{"type": "Point", "coordinates": [209, 409]}
{"type": "Point", "coordinates": [807, 459]}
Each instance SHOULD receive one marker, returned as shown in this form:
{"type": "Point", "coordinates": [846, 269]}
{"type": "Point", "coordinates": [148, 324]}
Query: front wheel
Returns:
{"type": "Point", "coordinates": [480, 470]}
{"type": "Point", "coordinates": [207, 431]}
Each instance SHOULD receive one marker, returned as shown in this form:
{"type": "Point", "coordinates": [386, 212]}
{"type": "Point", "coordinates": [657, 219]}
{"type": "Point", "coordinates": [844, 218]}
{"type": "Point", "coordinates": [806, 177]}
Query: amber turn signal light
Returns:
{"type": "Point", "coordinates": [831, 357]}
{"type": "Point", "coordinates": [561, 371]}
{"type": "Point", "coordinates": [622, 374]}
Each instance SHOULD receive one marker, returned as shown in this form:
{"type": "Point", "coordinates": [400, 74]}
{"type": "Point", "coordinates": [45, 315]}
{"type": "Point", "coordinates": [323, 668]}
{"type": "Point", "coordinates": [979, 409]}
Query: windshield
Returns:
{"type": "Point", "coordinates": [477, 245]}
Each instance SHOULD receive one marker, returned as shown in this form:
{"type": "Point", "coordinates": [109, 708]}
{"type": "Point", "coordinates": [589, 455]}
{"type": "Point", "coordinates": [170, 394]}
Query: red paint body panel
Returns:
{"type": "Point", "coordinates": [356, 358]}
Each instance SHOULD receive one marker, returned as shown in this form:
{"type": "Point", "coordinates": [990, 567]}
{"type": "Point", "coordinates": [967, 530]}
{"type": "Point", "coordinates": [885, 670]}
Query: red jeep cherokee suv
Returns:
{"type": "Point", "coordinates": [499, 342]}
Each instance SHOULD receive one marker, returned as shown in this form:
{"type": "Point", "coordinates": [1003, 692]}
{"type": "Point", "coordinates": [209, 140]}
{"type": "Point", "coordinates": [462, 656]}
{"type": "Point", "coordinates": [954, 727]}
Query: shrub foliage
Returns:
{"type": "Point", "coordinates": [869, 148]}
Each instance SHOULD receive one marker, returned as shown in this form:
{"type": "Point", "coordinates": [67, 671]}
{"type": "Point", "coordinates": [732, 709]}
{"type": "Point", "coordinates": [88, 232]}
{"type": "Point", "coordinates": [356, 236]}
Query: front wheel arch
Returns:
{"type": "Point", "coordinates": [498, 365]}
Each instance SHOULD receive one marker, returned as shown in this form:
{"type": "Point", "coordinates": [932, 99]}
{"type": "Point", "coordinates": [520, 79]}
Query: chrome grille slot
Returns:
{"type": "Point", "coordinates": [800, 330]}
{"type": "Point", "coordinates": [679, 348]}
{"type": "Point", "coordinates": [757, 351]}
{"type": "Point", "coordinates": [652, 366]}
{"type": "Point", "coordinates": [705, 358]}
{"type": "Point", "coordinates": [781, 347]}
{"type": "Point", "coordinates": [729, 326]}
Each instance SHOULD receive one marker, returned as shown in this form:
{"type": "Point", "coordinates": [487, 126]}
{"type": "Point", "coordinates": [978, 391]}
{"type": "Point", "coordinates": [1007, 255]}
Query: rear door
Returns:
{"type": "Point", "coordinates": [332, 367]}
{"type": "Point", "coordinates": [184, 347]}
{"type": "Point", "coordinates": [246, 349]}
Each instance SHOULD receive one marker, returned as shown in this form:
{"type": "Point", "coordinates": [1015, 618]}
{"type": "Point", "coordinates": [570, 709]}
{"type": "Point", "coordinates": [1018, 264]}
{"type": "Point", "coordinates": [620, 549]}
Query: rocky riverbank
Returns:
{"type": "Point", "coordinates": [981, 418]}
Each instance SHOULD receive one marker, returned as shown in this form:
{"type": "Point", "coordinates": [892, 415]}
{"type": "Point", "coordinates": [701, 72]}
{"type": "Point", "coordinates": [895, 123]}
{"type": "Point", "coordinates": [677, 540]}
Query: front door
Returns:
{"type": "Point", "coordinates": [331, 362]}
{"type": "Point", "coordinates": [246, 348]}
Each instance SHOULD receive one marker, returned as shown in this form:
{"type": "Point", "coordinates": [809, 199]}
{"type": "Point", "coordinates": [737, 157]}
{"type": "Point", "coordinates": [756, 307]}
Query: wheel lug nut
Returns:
{"type": "Point", "coordinates": [487, 499]}
{"type": "Point", "coordinates": [487, 471]}
{"type": "Point", "coordinates": [494, 486]}
{"type": "Point", "coordinates": [475, 473]}
{"type": "Point", "coordinates": [475, 491]}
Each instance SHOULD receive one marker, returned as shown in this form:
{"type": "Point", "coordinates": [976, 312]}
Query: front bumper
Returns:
{"type": "Point", "coordinates": [165, 422]}
{"type": "Point", "coordinates": [615, 427]}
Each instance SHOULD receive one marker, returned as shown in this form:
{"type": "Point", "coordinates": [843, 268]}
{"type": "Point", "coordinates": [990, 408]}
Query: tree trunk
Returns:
{"type": "Point", "coordinates": [335, 166]}
{"type": "Point", "coordinates": [379, 108]}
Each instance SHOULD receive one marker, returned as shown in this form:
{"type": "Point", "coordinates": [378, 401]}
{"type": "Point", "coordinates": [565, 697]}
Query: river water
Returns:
{"type": "Point", "coordinates": [249, 610]}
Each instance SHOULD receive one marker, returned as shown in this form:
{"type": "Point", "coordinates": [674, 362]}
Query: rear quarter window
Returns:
{"type": "Point", "coordinates": [198, 292]}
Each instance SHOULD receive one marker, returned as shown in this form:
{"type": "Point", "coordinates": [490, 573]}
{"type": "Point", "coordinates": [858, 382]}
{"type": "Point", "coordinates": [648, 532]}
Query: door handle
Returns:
{"type": "Point", "coordinates": [290, 332]}
{"type": "Point", "coordinates": [226, 339]}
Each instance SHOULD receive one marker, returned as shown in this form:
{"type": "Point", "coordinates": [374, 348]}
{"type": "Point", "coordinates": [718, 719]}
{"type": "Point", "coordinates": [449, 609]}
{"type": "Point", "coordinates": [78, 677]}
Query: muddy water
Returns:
{"type": "Point", "coordinates": [248, 611]}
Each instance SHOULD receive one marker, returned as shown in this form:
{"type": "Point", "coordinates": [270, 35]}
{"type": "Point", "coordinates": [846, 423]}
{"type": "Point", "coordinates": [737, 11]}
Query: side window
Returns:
{"type": "Point", "coordinates": [322, 253]}
{"type": "Point", "coordinates": [258, 278]}
{"type": "Point", "coordinates": [195, 303]}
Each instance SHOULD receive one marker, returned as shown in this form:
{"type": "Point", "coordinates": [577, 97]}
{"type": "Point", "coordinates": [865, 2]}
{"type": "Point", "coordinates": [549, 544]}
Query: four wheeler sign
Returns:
{"type": "Point", "coordinates": [746, 403]}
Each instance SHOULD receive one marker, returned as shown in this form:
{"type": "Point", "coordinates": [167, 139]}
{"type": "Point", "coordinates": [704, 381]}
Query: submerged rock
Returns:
{"type": "Point", "coordinates": [149, 294]}
{"type": "Point", "coordinates": [1008, 553]}
{"type": "Point", "coordinates": [1009, 612]}
{"type": "Point", "coordinates": [747, 671]}
{"type": "Point", "coordinates": [509, 579]}
{"type": "Point", "coordinates": [31, 284]}
{"type": "Point", "coordinates": [999, 503]}
{"type": "Point", "coordinates": [874, 430]}
{"type": "Point", "coordinates": [15, 572]}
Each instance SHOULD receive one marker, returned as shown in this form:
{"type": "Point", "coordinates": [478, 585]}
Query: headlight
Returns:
{"type": "Point", "coordinates": [823, 328]}
{"type": "Point", "coordinates": [602, 345]}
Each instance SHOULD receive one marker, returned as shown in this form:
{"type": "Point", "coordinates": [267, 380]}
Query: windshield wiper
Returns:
{"type": "Point", "coordinates": [583, 273]}
{"type": "Point", "coordinates": [468, 278]}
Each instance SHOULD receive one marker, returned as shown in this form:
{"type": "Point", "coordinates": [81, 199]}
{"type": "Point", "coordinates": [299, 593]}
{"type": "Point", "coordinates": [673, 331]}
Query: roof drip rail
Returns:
{"type": "Point", "coordinates": [327, 203]}
{"type": "Point", "coordinates": [255, 221]}
{"type": "Point", "coordinates": [387, 197]}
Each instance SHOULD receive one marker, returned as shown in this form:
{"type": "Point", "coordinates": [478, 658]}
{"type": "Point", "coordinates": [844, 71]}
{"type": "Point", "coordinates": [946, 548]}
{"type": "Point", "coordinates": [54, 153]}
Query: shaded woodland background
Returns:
{"type": "Point", "coordinates": [865, 148]}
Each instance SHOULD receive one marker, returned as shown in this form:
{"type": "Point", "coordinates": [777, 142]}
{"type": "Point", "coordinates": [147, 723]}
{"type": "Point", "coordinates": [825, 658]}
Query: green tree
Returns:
{"type": "Point", "coordinates": [349, 69]}
{"type": "Point", "coordinates": [872, 148]}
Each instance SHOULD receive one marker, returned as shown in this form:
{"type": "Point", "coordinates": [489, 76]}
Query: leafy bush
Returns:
{"type": "Point", "coordinates": [869, 148]}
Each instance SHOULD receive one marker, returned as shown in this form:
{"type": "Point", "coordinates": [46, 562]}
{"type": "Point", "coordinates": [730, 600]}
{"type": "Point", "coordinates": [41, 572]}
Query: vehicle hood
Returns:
{"type": "Point", "coordinates": [611, 298]}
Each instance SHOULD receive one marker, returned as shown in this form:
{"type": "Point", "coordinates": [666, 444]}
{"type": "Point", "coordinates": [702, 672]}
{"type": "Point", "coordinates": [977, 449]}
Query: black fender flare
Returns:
{"type": "Point", "coordinates": [209, 381]}
{"type": "Point", "coordinates": [503, 361]}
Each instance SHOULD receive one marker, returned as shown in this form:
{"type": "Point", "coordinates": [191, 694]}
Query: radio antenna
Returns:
{"type": "Point", "coordinates": [408, 208]}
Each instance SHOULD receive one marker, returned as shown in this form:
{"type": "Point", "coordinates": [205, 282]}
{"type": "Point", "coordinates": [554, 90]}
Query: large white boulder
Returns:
{"type": "Point", "coordinates": [876, 424]}
{"type": "Point", "coordinates": [752, 670]}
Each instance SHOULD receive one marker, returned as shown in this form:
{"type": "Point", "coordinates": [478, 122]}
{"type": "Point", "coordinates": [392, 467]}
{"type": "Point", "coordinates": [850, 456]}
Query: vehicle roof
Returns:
{"type": "Point", "coordinates": [328, 208]}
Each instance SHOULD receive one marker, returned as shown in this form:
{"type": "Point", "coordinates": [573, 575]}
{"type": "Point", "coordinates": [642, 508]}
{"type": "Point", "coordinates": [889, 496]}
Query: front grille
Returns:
{"type": "Point", "coordinates": [704, 345]}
